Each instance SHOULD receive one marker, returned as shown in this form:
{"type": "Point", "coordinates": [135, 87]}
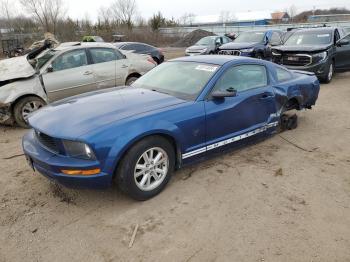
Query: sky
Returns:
{"type": "Point", "coordinates": [176, 8]}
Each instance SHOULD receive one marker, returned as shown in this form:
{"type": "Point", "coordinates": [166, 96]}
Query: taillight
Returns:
{"type": "Point", "coordinates": [150, 59]}
{"type": "Point", "coordinates": [160, 51]}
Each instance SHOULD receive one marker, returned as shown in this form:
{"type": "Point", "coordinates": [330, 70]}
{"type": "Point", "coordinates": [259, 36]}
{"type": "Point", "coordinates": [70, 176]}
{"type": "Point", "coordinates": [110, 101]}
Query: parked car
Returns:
{"type": "Point", "coordinates": [207, 45]}
{"type": "Point", "coordinates": [253, 44]}
{"type": "Point", "coordinates": [141, 48]}
{"type": "Point", "coordinates": [320, 50]}
{"type": "Point", "coordinates": [64, 71]}
{"type": "Point", "coordinates": [178, 113]}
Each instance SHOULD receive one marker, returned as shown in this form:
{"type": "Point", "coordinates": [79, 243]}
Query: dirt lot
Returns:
{"type": "Point", "coordinates": [273, 201]}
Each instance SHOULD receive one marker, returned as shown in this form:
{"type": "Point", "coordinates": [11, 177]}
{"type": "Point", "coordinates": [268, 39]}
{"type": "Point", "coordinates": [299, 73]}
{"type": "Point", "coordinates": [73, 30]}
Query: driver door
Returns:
{"type": "Point", "coordinates": [69, 74]}
{"type": "Point", "coordinates": [251, 112]}
{"type": "Point", "coordinates": [342, 56]}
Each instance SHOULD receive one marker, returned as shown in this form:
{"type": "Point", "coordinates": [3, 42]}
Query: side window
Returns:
{"type": "Point", "coordinates": [242, 78]}
{"type": "Point", "coordinates": [218, 41]}
{"type": "Point", "coordinates": [225, 40]}
{"type": "Point", "coordinates": [102, 55]}
{"type": "Point", "coordinates": [275, 39]}
{"type": "Point", "coordinates": [70, 60]}
{"type": "Point", "coordinates": [283, 75]}
{"type": "Point", "coordinates": [119, 55]}
{"type": "Point", "coordinates": [129, 47]}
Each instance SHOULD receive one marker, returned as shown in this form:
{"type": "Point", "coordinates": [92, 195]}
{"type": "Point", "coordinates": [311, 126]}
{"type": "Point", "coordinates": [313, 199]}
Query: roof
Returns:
{"type": "Point", "coordinates": [74, 45]}
{"type": "Point", "coordinates": [317, 29]}
{"type": "Point", "coordinates": [212, 59]}
{"type": "Point", "coordinates": [279, 15]}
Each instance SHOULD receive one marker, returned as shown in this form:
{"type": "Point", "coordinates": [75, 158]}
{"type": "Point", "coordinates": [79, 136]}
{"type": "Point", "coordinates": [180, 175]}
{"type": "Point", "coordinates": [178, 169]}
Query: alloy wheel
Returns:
{"type": "Point", "coordinates": [29, 108]}
{"type": "Point", "coordinates": [151, 169]}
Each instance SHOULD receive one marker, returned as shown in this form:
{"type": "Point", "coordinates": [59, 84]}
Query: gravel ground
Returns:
{"type": "Point", "coordinates": [273, 201]}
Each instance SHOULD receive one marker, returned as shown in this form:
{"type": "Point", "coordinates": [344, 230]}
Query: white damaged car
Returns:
{"type": "Point", "coordinates": [67, 70]}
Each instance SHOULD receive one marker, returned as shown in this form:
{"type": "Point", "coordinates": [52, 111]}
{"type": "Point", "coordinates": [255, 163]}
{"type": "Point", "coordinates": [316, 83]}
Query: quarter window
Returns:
{"type": "Point", "coordinates": [242, 78]}
{"type": "Point", "coordinates": [283, 75]}
{"type": "Point", "coordinates": [102, 55]}
{"type": "Point", "coordinates": [70, 60]}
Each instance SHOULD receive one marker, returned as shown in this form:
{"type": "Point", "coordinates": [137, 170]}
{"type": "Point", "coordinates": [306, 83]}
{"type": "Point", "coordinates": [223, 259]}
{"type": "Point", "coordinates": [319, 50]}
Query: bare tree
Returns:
{"type": "Point", "coordinates": [187, 19]}
{"type": "Point", "coordinates": [226, 16]}
{"type": "Point", "coordinates": [46, 12]}
{"type": "Point", "coordinates": [124, 11]}
{"type": "Point", "coordinates": [292, 11]}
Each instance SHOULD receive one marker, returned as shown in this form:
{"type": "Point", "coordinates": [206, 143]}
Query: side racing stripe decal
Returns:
{"type": "Point", "coordinates": [229, 141]}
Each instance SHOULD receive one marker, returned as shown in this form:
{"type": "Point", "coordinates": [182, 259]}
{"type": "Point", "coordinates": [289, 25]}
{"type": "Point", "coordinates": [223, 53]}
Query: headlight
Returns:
{"type": "Point", "coordinates": [187, 50]}
{"type": "Point", "coordinates": [78, 150]}
{"type": "Point", "coordinates": [319, 57]}
{"type": "Point", "coordinates": [204, 50]}
{"type": "Point", "coordinates": [248, 50]}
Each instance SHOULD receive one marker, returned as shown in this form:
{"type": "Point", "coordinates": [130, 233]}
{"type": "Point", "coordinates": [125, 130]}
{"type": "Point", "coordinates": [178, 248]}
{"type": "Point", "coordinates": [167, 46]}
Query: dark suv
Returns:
{"type": "Point", "coordinates": [253, 43]}
{"type": "Point", "coordinates": [323, 51]}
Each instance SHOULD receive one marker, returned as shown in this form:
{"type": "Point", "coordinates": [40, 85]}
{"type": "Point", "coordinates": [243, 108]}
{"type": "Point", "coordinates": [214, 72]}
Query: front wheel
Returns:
{"type": "Point", "coordinates": [330, 73]}
{"type": "Point", "coordinates": [146, 168]}
{"type": "Point", "coordinates": [24, 107]}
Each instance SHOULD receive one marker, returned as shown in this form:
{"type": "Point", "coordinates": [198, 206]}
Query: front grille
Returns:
{"type": "Point", "coordinates": [47, 141]}
{"type": "Point", "coordinates": [230, 52]}
{"type": "Point", "coordinates": [296, 59]}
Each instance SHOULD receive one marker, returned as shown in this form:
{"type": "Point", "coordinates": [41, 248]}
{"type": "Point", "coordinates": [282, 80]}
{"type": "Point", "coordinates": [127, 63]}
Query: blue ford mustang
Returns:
{"type": "Point", "coordinates": [180, 112]}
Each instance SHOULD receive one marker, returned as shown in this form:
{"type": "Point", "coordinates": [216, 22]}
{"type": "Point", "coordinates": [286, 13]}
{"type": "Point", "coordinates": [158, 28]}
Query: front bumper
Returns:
{"type": "Point", "coordinates": [236, 53]}
{"type": "Point", "coordinates": [6, 115]}
{"type": "Point", "coordinates": [50, 165]}
{"type": "Point", "coordinates": [320, 69]}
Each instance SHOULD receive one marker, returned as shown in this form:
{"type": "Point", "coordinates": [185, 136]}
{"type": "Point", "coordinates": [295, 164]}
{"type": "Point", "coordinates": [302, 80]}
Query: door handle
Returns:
{"type": "Point", "coordinates": [266, 96]}
{"type": "Point", "coordinates": [87, 73]}
{"type": "Point", "coordinates": [124, 66]}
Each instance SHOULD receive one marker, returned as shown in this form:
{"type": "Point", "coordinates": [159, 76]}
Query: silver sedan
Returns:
{"type": "Point", "coordinates": [68, 70]}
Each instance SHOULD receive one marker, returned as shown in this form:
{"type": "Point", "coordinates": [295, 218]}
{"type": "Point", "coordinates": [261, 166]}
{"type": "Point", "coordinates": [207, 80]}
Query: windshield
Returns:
{"type": "Point", "coordinates": [42, 59]}
{"type": "Point", "coordinates": [206, 41]}
{"type": "Point", "coordinates": [309, 38]}
{"type": "Point", "coordinates": [184, 80]}
{"type": "Point", "coordinates": [250, 37]}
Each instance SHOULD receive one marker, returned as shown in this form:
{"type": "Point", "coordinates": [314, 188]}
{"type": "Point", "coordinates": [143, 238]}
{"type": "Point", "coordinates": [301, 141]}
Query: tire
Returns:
{"type": "Point", "coordinates": [259, 56]}
{"type": "Point", "coordinates": [140, 179]}
{"type": "Point", "coordinates": [24, 107]}
{"type": "Point", "coordinates": [156, 60]}
{"type": "Point", "coordinates": [330, 73]}
{"type": "Point", "coordinates": [130, 80]}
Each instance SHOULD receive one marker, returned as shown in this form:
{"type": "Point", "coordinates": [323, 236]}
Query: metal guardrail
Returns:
{"type": "Point", "coordinates": [222, 29]}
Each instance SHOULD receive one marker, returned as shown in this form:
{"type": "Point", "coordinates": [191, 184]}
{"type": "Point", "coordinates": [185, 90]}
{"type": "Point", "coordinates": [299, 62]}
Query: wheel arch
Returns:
{"type": "Point", "coordinates": [163, 133]}
{"type": "Point", "coordinates": [14, 103]}
{"type": "Point", "coordinates": [134, 74]}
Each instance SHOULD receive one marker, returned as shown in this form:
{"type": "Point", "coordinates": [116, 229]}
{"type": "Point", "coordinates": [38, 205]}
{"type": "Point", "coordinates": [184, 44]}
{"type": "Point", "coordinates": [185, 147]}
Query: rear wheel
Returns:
{"type": "Point", "coordinates": [24, 107]}
{"type": "Point", "coordinates": [130, 80]}
{"type": "Point", "coordinates": [146, 168]}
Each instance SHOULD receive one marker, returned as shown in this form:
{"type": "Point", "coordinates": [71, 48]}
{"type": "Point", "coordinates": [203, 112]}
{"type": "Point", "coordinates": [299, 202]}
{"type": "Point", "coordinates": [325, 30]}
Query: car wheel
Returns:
{"type": "Point", "coordinates": [156, 60]}
{"type": "Point", "coordinates": [24, 107]}
{"type": "Point", "coordinates": [330, 73]}
{"type": "Point", "coordinates": [131, 80]}
{"type": "Point", "coordinates": [146, 168]}
{"type": "Point", "coordinates": [259, 56]}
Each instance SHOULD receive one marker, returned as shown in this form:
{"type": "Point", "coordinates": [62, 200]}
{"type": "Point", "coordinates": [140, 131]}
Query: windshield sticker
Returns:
{"type": "Point", "coordinates": [206, 68]}
{"type": "Point", "coordinates": [324, 35]}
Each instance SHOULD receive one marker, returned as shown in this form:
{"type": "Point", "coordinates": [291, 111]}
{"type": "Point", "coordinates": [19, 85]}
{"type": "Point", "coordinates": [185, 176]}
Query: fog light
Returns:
{"type": "Point", "coordinates": [82, 172]}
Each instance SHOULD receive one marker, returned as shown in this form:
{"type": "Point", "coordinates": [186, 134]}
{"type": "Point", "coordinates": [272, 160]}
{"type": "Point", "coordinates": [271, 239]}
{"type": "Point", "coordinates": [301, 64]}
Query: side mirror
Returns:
{"type": "Point", "coordinates": [124, 56]}
{"type": "Point", "coordinates": [49, 69]}
{"type": "Point", "coordinates": [230, 92]}
{"type": "Point", "coordinates": [343, 42]}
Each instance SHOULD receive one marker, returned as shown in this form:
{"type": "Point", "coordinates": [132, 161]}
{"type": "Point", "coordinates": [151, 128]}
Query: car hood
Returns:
{"type": "Point", "coordinates": [301, 48]}
{"type": "Point", "coordinates": [237, 46]}
{"type": "Point", "coordinates": [198, 47]}
{"type": "Point", "coordinates": [73, 117]}
{"type": "Point", "coordinates": [14, 68]}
